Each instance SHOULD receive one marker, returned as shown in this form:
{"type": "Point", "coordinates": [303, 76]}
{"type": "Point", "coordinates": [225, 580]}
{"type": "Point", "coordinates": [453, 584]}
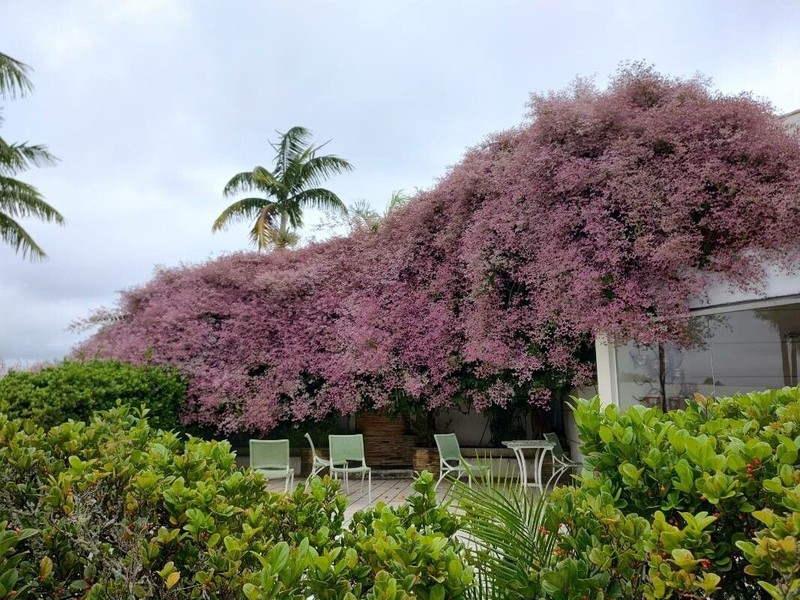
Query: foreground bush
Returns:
{"type": "Point", "coordinates": [116, 509]}
{"type": "Point", "coordinates": [697, 503]}
{"type": "Point", "coordinates": [693, 503]}
{"type": "Point", "coordinates": [75, 390]}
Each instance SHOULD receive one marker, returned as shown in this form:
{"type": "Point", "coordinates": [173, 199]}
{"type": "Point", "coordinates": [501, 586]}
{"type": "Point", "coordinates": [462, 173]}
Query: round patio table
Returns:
{"type": "Point", "coordinates": [540, 449]}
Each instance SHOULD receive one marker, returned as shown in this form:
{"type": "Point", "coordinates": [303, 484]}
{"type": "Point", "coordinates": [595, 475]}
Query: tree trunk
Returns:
{"type": "Point", "coordinates": [662, 377]}
{"type": "Point", "coordinates": [282, 231]}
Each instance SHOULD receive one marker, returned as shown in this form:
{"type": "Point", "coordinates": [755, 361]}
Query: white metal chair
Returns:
{"type": "Point", "coordinates": [561, 462]}
{"type": "Point", "coordinates": [318, 463]}
{"type": "Point", "coordinates": [271, 458]}
{"type": "Point", "coordinates": [451, 461]}
{"type": "Point", "coordinates": [346, 449]}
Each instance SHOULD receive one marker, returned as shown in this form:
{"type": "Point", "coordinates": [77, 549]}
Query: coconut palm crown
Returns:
{"type": "Point", "coordinates": [292, 185]}
{"type": "Point", "coordinates": [361, 215]}
{"type": "Point", "coordinates": [19, 199]}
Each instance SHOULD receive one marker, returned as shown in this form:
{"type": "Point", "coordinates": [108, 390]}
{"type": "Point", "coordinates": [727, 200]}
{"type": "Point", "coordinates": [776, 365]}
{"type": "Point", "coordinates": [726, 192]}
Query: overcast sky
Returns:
{"type": "Point", "coordinates": [152, 105]}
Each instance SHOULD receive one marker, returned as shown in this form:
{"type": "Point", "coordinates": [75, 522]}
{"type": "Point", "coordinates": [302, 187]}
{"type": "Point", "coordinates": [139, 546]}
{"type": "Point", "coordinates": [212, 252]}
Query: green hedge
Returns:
{"type": "Point", "coordinates": [75, 390]}
{"type": "Point", "coordinates": [116, 509]}
{"type": "Point", "coordinates": [694, 503]}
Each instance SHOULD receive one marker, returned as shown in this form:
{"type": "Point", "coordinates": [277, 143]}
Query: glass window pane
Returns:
{"type": "Point", "coordinates": [744, 351]}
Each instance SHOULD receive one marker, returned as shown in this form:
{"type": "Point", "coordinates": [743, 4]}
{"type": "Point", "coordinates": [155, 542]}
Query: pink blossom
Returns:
{"type": "Point", "coordinates": [604, 212]}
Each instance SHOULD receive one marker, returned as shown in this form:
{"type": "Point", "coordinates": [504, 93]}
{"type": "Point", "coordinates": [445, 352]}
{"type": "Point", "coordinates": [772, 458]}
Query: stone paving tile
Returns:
{"type": "Point", "coordinates": [389, 491]}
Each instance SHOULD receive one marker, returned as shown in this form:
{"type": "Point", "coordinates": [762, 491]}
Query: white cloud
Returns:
{"type": "Point", "coordinates": [69, 33]}
{"type": "Point", "coordinates": [64, 42]}
{"type": "Point", "coordinates": [145, 12]}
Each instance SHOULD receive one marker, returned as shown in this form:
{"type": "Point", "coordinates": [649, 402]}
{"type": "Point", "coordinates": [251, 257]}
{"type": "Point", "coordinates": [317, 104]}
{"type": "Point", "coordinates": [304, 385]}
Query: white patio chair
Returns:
{"type": "Point", "coordinates": [561, 462]}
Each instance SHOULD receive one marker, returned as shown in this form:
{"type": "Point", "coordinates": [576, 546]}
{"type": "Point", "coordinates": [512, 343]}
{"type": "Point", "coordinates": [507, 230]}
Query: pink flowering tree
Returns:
{"type": "Point", "coordinates": [605, 211]}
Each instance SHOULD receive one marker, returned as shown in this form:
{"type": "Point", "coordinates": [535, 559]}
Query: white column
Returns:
{"type": "Point", "coordinates": [606, 370]}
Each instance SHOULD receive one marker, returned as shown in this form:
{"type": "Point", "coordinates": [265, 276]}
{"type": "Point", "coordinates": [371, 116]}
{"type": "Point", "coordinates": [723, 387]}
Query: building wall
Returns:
{"type": "Point", "coordinates": [792, 119]}
{"type": "Point", "coordinates": [779, 284]}
{"type": "Point", "coordinates": [472, 428]}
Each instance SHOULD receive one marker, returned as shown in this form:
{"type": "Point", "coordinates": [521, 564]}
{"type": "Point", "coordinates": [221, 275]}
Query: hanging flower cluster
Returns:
{"type": "Point", "coordinates": [605, 211]}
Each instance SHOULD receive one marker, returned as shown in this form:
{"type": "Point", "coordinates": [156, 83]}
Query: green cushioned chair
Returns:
{"type": "Point", "coordinates": [271, 458]}
{"type": "Point", "coordinates": [451, 461]}
{"type": "Point", "coordinates": [346, 457]}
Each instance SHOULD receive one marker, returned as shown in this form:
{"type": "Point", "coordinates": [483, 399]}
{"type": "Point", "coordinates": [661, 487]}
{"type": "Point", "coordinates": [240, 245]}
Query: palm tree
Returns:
{"type": "Point", "coordinates": [362, 216]}
{"type": "Point", "coordinates": [19, 199]}
{"type": "Point", "coordinates": [287, 189]}
{"type": "Point", "coordinates": [504, 528]}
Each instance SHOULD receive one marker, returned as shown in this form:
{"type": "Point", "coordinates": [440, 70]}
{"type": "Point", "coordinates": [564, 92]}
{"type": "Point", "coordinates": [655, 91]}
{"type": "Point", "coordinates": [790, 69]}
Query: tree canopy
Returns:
{"type": "Point", "coordinates": [606, 211]}
{"type": "Point", "coordinates": [292, 185]}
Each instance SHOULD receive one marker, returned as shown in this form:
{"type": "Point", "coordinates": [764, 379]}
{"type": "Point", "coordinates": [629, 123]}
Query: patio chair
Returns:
{"type": "Point", "coordinates": [451, 461]}
{"type": "Point", "coordinates": [561, 462]}
{"type": "Point", "coordinates": [271, 458]}
{"type": "Point", "coordinates": [346, 449]}
{"type": "Point", "coordinates": [318, 463]}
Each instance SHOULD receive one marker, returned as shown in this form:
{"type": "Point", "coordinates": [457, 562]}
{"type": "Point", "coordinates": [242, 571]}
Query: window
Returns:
{"type": "Point", "coordinates": [741, 351]}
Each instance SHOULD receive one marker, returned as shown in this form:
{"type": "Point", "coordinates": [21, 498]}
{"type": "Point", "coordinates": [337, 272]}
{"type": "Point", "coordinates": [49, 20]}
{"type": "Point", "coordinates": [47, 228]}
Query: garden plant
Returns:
{"type": "Point", "coordinates": [689, 504]}
{"type": "Point", "coordinates": [55, 393]}
{"type": "Point", "coordinates": [20, 200]}
{"type": "Point", "coordinates": [607, 211]}
{"type": "Point", "coordinates": [283, 192]}
{"type": "Point", "coordinates": [697, 503]}
{"type": "Point", "coordinates": [116, 509]}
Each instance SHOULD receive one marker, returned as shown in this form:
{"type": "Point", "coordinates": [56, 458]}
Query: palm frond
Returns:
{"type": "Point", "coordinates": [14, 79]}
{"type": "Point", "coordinates": [264, 180]}
{"type": "Point", "coordinates": [319, 168]}
{"type": "Point", "coordinates": [297, 168]}
{"type": "Point", "coordinates": [257, 180]}
{"type": "Point", "coordinates": [264, 233]}
{"type": "Point", "coordinates": [21, 200]}
{"type": "Point", "coordinates": [15, 158]}
{"type": "Point", "coordinates": [287, 239]}
{"type": "Point", "coordinates": [293, 175]}
{"type": "Point", "coordinates": [362, 209]}
{"type": "Point", "coordinates": [13, 234]}
{"type": "Point", "coordinates": [241, 182]}
{"type": "Point", "coordinates": [244, 210]}
{"type": "Point", "coordinates": [397, 200]}
{"type": "Point", "coordinates": [290, 147]}
{"type": "Point", "coordinates": [504, 528]}
{"type": "Point", "coordinates": [294, 213]}
{"type": "Point", "coordinates": [361, 215]}
{"type": "Point", "coordinates": [319, 198]}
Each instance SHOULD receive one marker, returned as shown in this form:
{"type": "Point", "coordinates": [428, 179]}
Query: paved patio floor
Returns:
{"type": "Point", "coordinates": [392, 492]}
